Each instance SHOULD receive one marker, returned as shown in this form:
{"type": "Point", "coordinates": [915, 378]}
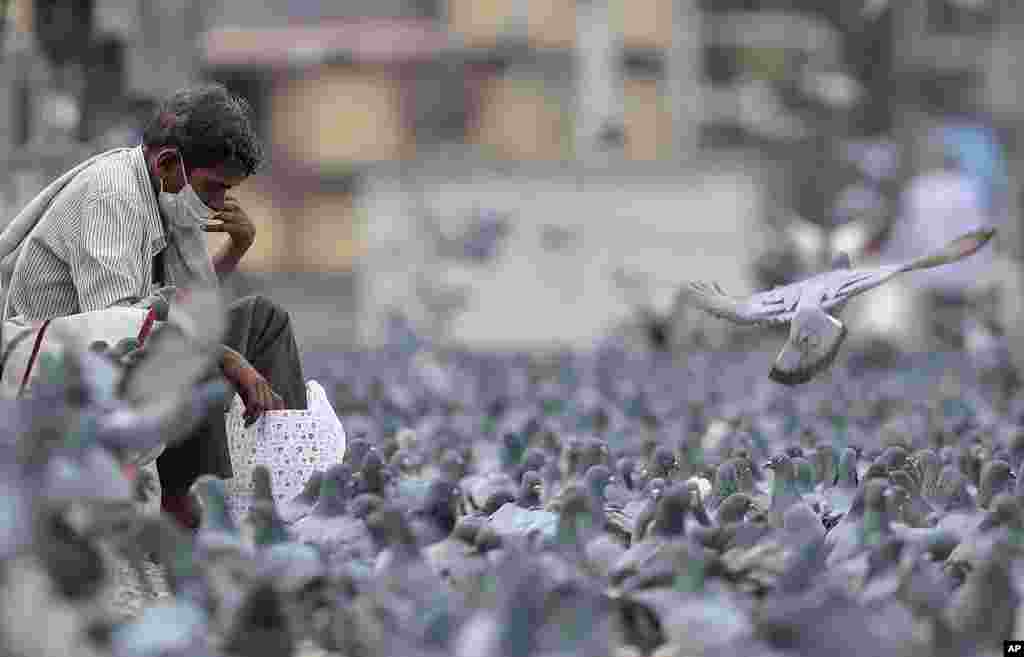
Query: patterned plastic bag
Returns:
{"type": "Point", "coordinates": [293, 444]}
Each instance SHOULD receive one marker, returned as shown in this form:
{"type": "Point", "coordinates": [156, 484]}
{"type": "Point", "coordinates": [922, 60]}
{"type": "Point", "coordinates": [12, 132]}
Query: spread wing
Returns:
{"type": "Point", "coordinates": [771, 307]}
{"type": "Point", "coordinates": [841, 285]}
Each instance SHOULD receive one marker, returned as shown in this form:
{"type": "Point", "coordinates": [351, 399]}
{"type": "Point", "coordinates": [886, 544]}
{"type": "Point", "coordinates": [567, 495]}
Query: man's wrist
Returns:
{"type": "Point", "coordinates": [231, 363]}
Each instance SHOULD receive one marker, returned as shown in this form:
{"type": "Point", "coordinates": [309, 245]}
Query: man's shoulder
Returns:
{"type": "Point", "coordinates": [110, 176]}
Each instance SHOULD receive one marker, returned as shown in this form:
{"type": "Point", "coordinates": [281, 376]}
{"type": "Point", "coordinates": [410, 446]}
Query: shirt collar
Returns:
{"type": "Point", "coordinates": [145, 185]}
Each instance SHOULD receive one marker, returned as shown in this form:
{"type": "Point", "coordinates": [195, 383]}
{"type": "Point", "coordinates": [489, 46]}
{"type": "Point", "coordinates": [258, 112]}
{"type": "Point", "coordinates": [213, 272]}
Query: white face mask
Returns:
{"type": "Point", "coordinates": [184, 209]}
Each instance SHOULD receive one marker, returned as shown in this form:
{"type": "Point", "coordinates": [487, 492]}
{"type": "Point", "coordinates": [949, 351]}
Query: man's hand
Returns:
{"type": "Point", "coordinates": [236, 223]}
{"type": "Point", "coordinates": [255, 390]}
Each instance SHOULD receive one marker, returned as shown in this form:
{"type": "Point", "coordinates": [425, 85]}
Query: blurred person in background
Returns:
{"type": "Point", "coordinates": [131, 221]}
{"type": "Point", "coordinates": [941, 201]}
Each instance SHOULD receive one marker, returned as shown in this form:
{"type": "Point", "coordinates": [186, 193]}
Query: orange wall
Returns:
{"type": "Point", "coordinates": [340, 114]}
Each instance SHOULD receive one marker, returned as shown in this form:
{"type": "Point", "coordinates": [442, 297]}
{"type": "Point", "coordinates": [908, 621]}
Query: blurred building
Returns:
{"type": "Point", "coordinates": [396, 126]}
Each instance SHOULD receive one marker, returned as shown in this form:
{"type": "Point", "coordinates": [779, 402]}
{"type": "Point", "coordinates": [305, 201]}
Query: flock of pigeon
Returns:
{"type": "Point", "coordinates": [605, 504]}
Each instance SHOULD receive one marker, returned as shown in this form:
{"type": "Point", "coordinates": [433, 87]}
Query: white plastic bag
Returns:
{"type": "Point", "coordinates": [293, 444]}
{"type": "Point", "coordinates": [19, 339]}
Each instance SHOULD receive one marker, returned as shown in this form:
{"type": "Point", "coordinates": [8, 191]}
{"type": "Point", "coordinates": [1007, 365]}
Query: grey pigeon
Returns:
{"type": "Point", "coordinates": [816, 335]}
{"type": "Point", "coordinates": [300, 505]}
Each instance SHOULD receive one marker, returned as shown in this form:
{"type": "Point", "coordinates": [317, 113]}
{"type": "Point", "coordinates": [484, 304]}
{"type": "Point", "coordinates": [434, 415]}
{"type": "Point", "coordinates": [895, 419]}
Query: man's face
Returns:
{"type": "Point", "coordinates": [211, 184]}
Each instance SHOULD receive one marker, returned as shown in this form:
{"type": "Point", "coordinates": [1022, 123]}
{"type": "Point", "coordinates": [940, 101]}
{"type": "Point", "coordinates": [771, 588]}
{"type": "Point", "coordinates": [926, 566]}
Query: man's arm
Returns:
{"type": "Point", "coordinates": [226, 261]}
{"type": "Point", "coordinates": [234, 221]}
{"type": "Point", "coordinates": [255, 390]}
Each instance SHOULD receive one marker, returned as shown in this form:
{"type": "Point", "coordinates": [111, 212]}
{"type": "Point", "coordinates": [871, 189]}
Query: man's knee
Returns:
{"type": "Point", "coordinates": [258, 305]}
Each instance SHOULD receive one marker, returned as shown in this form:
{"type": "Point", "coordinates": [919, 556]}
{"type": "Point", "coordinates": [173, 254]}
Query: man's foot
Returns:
{"type": "Point", "coordinates": [182, 508]}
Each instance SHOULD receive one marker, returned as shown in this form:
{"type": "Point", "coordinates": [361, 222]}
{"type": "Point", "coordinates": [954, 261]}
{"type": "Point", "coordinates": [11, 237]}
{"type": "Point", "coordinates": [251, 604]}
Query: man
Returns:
{"type": "Point", "coordinates": [132, 220]}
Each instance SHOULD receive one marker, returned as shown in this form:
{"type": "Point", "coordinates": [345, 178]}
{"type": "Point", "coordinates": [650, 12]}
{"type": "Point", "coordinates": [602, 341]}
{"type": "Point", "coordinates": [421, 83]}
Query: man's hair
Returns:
{"type": "Point", "coordinates": [209, 126]}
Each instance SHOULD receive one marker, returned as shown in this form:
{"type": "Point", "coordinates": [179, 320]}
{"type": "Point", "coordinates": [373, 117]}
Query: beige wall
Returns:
{"type": "Point", "coordinates": [519, 119]}
{"type": "Point", "coordinates": [340, 113]}
{"type": "Point", "coordinates": [324, 233]}
{"type": "Point", "coordinates": [549, 23]}
{"type": "Point", "coordinates": [644, 23]}
{"type": "Point", "coordinates": [552, 23]}
{"type": "Point", "coordinates": [648, 120]}
{"type": "Point", "coordinates": [480, 22]}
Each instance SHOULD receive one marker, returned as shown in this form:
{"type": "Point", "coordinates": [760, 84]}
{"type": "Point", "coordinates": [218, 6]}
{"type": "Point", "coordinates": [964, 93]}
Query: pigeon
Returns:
{"type": "Point", "coordinates": [996, 477]}
{"type": "Point", "coordinates": [806, 306]}
{"type": "Point", "coordinates": [261, 627]}
{"type": "Point", "coordinates": [840, 497]}
{"type": "Point", "coordinates": [299, 506]}
{"type": "Point", "coordinates": [784, 492]}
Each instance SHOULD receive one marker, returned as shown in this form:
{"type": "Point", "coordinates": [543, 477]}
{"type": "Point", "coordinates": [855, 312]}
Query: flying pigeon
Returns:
{"type": "Point", "coordinates": [809, 306]}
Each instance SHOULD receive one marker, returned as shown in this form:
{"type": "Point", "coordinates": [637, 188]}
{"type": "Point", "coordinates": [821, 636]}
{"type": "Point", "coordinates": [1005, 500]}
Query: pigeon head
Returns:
{"type": "Point", "coordinates": [896, 498]}
{"type": "Point", "coordinates": [334, 491]}
{"type": "Point", "coordinates": [782, 466]}
{"type": "Point", "coordinates": [389, 526]}
{"type": "Point", "coordinates": [595, 452]}
{"type": "Point", "coordinates": [442, 502]}
{"type": "Point", "coordinates": [996, 477]}
{"type": "Point", "coordinates": [893, 457]}
{"type": "Point", "coordinates": [574, 517]}
{"type": "Point", "coordinates": [530, 488]}
{"type": "Point", "coordinates": [670, 516]}
{"type": "Point", "coordinates": [213, 499]}
{"type": "Point", "coordinates": [365, 504]}
{"type": "Point", "coordinates": [726, 482]}
{"type": "Point", "coordinates": [655, 488]}
{"type": "Point", "coordinates": [535, 459]}
{"type": "Point", "coordinates": [467, 528]}
{"type": "Point", "coordinates": [804, 475]}
{"type": "Point", "coordinates": [513, 448]}
{"type": "Point", "coordinates": [268, 528]}
{"type": "Point", "coordinates": [487, 539]}
{"type": "Point", "coordinates": [597, 479]}
{"type": "Point", "coordinates": [875, 527]}
{"type": "Point", "coordinates": [814, 341]}
{"type": "Point", "coordinates": [452, 466]}
{"type": "Point", "coordinates": [794, 451]}
{"type": "Point", "coordinates": [744, 473]}
{"type": "Point", "coordinates": [497, 499]}
{"type": "Point", "coordinates": [847, 471]}
{"type": "Point", "coordinates": [735, 508]}
{"type": "Point", "coordinates": [312, 488]}
{"type": "Point", "coordinates": [262, 488]}
{"type": "Point", "coordinates": [356, 451]}
{"type": "Point", "coordinates": [663, 463]}
{"type": "Point", "coordinates": [371, 476]}
{"type": "Point", "coordinates": [1004, 512]}
{"type": "Point", "coordinates": [826, 458]}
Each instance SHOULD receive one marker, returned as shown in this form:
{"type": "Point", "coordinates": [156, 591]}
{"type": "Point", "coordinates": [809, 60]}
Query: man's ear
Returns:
{"type": "Point", "coordinates": [166, 166]}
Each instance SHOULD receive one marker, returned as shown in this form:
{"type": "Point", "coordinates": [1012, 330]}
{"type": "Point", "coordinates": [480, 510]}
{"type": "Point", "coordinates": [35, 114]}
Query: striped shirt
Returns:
{"type": "Point", "coordinates": [94, 246]}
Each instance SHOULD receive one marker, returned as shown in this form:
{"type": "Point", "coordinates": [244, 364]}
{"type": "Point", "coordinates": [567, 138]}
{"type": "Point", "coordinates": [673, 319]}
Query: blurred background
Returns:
{"type": "Point", "coordinates": [539, 173]}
